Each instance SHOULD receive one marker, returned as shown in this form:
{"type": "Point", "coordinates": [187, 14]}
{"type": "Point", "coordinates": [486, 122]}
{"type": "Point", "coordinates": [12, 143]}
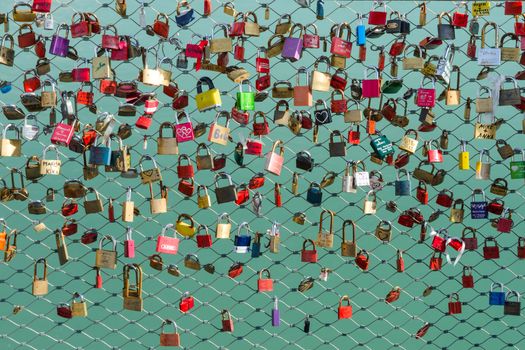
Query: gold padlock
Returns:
{"type": "Point", "coordinates": [457, 214]}
{"type": "Point", "coordinates": [63, 255]}
{"type": "Point", "coordinates": [203, 199]}
{"type": "Point", "coordinates": [40, 285]}
{"type": "Point", "coordinates": [133, 293]}
{"type": "Point", "coordinates": [223, 226]}
{"type": "Point", "coordinates": [325, 238]}
{"type": "Point", "coordinates": [127, 207]}
{"type": "Point", "coordinates": [106, 259]}
{"type": "Point", "coordinates": [78, 308]}
{"type": "Point", "coordinates": [349, 248]}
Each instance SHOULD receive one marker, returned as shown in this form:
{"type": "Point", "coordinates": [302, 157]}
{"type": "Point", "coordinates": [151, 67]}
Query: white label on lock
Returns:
{"type": "Point", "coordinates": [362, 178]}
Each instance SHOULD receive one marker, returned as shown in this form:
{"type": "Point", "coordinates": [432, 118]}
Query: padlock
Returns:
{"type": "Point", "coordinates": [311, 41]}
{"type": "Point", "coordinates": [445, 198]}
{"type": "Point", "coordinates": [132, 293]}
{"type": "Point", "coordinates": [483, 165]}
{"type": "Point", "coordinates": [512, 307]}
{"type": "Point", "coordinates": [95, 205]}
{"type": "Point", "coordinates": [492, 251]}
{"type": "Point", "coordinates": [245, 99]}
{"type": "Point", "coordinates": [383, 231]}
{"type": "Point", "coordinates": [488, 56]}
{"type": "Point", "coordinates": [325, 238]}
{"type": "Point", "coordinates": [422, 193]}
{"type": "Point", "coordinates": [471, 243]}
{"type": "Point", "coordinates": [203, 199]}
{"type": "Point", "coordinates": [402, 187]}
{"type": "Point", "coordinates": [467, 280]}
{"type": "Point", "coordinates": [505, 222]}
{"type": "Point", "coordinates": [106, 259]}
{"type": "Point", "coordinates": [362, 260]}
{"type": "Point", "coordinates": [496, 297]}
{"type": "Point", "coordinates": [371, 87]}
{"type": "Point", "coordinates": [184, 228]}
{"type": "Point", "coordinates": [464, 157]}
{"type": "Point", "coordinates": [186, 302]}
{"type": "Point", "coordinates": [521, 248]}
{"type": "Point", "coordinates": [376, 16]}
{"type": "Point", "coordinates": [499, 187]}
{"type": "Point", "coordinates": [309, 256]}
{"type": "Point", "coordinates": [293, 46]}
{"type": "Point", "coordinates": [446, 31]}
{"type": "Point", "coordinates": [165, 244]}
{"type": "Point", "coordinates": [227, 193]}
{"type": "Point", "coordinates": [517, 167]}
{"type": "Point", "coordinates": [370, 206]}
{"type": "Point", "coordinates": [321, 80]}
{"type": "Point", "coordinates": [454, 305]}
{"type": "Point", "coordinates": [457, 212]}
{"type": "Point", "coordinates": [434, 154]}
{"type": "Point", "coordinates": [227, 321]}
{"type": "Point", "coordinates": [344, 311]}
{"type": "Point", "coordinates": [264, 284]}
{"type": "Point", "coordinates": [219, 45]}
{"type": "Point", "coordinates": [40, 285]}
{"type": "Point", "coordinates": [78, 308]}
{"type": "Point", "coordinates": [242, 239]}
{"type": "Point", "coordinates": [204, 162]}
{"type": "Point", "coordinates": [436, 262]}
{"type": "Point", "coordinates": [208, 99]}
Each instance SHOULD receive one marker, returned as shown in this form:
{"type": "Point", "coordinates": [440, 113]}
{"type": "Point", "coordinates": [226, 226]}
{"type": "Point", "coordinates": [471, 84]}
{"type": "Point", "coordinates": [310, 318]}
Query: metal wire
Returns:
{"type": "Point", "coordinates": [375, 324]}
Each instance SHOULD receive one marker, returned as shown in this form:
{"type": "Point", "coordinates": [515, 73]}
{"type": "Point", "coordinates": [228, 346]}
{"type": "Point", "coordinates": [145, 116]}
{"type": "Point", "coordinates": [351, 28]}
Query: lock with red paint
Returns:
{"type": "Point", "coordinates": [505, 222]}
{"type": "Point", "coordinates": [439, 242]}
{"type": "Point", "coordinates": [354, 136]}
{"type": "Point", "coordinates": [445, 198]}
{"type": "Point", "coordinates": [426, 97]}
{"type": "Point", "coordinates": [454, 305]}
{"type": "Point", "coordinates": [262, 64]}
{"type": "Point", "coordinates": [186, 302]}
{"type": "Point", "coordinates": [31, 84]}
{"type": "Point", "coordinates": [467, 280]}
{"type": "Point", "coordinates": [434, 154]}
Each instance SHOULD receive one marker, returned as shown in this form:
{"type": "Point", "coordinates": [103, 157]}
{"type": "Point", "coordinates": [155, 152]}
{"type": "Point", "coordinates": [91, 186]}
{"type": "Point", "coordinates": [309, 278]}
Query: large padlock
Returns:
{"type": "Point", "coordinates": [245, 99]}
{"type": "Point", "coordinates": [337, 148]}
{"type": "Point", "coordinates": [293, 46]}
{"type": "Point", "coordinates": [446, 31]}
{"type": "Point", "coordinates": [402, 187]}
{"type": "Point", "coordinates": [349, 248]}
{"type": "Point", "coordinates": [512, 307]}
{"type": "Point", "coordinates": [478, 208]}
{"type": "Point", "coordinates": [40, 285]}
{"type": "Point", "coordinates": [106, 259]}
{"type": "Point", "coordinates": [227, 193]}
{"type": "Point", "coordinates": [165, 244]}
{"type": "Point", "coordinates": [409, 144]}
{"type": "Point", "coordinates": [60, 44]}
{"type": "Point", "coordinates": [242, 239]}
{"type": "Point", "coordinates": [132, 293]}
{"type": "Point", "coordinates": [208, 99]}
{"type": "Point", "coordinates": [489, 56]}
{"type": "Point", "coordinates": [496, 297]}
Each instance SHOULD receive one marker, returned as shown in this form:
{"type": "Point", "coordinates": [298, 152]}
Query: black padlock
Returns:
{"type": "Point", "coordinates": [322, 115]}
{"type": "Point", "coordinates": [512, 307]}
{"type": "Point", "coordinates": [304, 161]}
{"type": "Point", "coordinates": [337, 149]}
{"type": "Point", "coordinates": [446, 31]}
{"type": "Point", "coordinates": [227, 193]}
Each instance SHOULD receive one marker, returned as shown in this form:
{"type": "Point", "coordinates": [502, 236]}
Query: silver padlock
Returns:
{"type": "Point", "coordinates": [49, 22]}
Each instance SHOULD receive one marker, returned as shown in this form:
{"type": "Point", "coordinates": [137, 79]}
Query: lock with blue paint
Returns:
{"type": "Point", "coordinates": [496, 297]}
{"type": "Point", "coordinates": [314, 195]}
{"type": "Point", "coordinates": [479, 208]}
{"type": "Point", "coordinates": [402, 187]}
{"type": "Point", "coordinates": [242, 239]}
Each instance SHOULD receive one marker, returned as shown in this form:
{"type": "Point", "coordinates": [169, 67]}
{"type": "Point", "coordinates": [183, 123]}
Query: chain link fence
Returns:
{"type": "Point", "coordinates": [375, 324]}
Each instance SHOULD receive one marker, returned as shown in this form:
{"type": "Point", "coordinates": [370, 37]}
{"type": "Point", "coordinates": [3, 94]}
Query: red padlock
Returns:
{"type": "Point", "coordinates": [471, 47]}
{"type": "Point", "coordinates": [180, 101]}
{"type": "Point", "coordinates": [85, 97]}
{"type": "Point", "coordinates": [80, 28]}
{"type": "Point", "coordinates": [206, 12]}
{"type": "Point", "coordinates": [496, 206]}
{"type": "Point", "coordinates": [309, 256]}
{"type": "Point", "coordinates": [339, 46]}
{"type": "Point", "coordinates": [362, 260]}
{"type": "Point", "coordinates": [264, 284]}
{"type": "Point", "coordinates": [460, 19]}
{"type": "Point", "coordinates": [454, 307]}
{"type": "Point", "coordinates": [354, 136]}
{"type": "Point", "coordinates": [110, 41]}
{"type": "Point", "coordinates": [151, 105]}
{"type": "Point", "coordinates": [491, 252]}
{"type": "Point", "coordinates": [235, 270]}
{"type": "Point", "coordinates": [263, 82]}
{"type": "Point", "coordinates": [434, 154]}
{"type": "Point", "coordinates": [436, 262]}
{"type": "Point", "coordinates": [362, 53]}
{"type": "Point", "coordinates": [161, 25]}
{"type": "Point", "coordinates": [28, 38]}
{"type": "Point", "coordinates": [406, 219]}
{"type": "Point", "coordinates": [33, 83]}
{"type": "Point", "coordinates": [377, 17]}
{"type": "Point", "coordinates": [338, 106]}
{"type": "Point", "coordinates": [41, 6]}
{"type": "Point", "coordinates": [439, 243]}
{"type": "Point", "coordinates": [254, 147]}
{"type": "Point", "coordinates": [238, 50]}
{"type": "Point", "coordinates": [69, 208]}
{"type": "Point", "coordinates": [227, 321]}
{"type": "Point", "coordinates": [344, 311]}
{"type": "Point", "coordinates": [400, 261]}
{"type": "Point", "coordinates": [241, 117]}
{"type": "Point", "coordinates": [467, 280]}
{"type": "Point", "coordinates": [339, 82]}
{"type": "Point", "coordinates": [311, 41]}
{"type": "Point", "coordinates": [185, 171]}
{"type": "Point", "coordinates": [81, 74]}
{"type": "Point", "coordinates": [186, 186]}
{"type": "Point", "coordinates": [445, 198]}
{"type": "Point", "coordinates": [70, 227]}
{"type": "Point", "coordinates": [277, 195]}
{"type": "Point", "coordinates": [63, 310]}
{"type": "Point", "coordinates": [262, 64]}
{"type": "Point", "coordinates": [108, 86]}
{"type": "Point", "coordinates": [521, 247]}
{"type": "Point", "coordinates": [422, 193]}
{"type": "Point", "coordinates": [505, 224]}
{"type": "Point", "coordinates": [426, 97]}
{"type": "Point", "coordinates": [257, 181]}
{"type": "Point", "coordinates": [186, 302]}
{"type": "Point", "coordinates": [203, 240]}
{"type": "Point", "coordinates": [471, 243]}
{"type": "Point", "coordinates": [513, 8]}
{"type": "Point", "coordinates": [40, 47]}
{"type": "Point", "coordinates": [397, 47]}
{"type": "Point", "coordinates": [144, 121]}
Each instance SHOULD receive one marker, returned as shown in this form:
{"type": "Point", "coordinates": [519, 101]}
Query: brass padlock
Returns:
{"type": "Point", "coordinates": [95, 205]}
{"type": "Point", "coordinates": [78, 308]}
{"type": "Point", "coordinates": [349, 248]}
{"type": "Point", "coordinates": [326, 238]}
{"type": "Point", "coordinates": [383, 231]}
{"type": "Point", "coordinates": [203, 199]}
{"type": "Point", "coordinates": [155, 262]}
{"type": "Point", "coordinates": [191, 261]}
{"type": "Point", "coordinates": [63, 255]}
{"type": "Point", "coordinates": [132, 293]}
{"type": "Point", "coordinates": [106, 259]}
{"type": "Point", "coordinates": [223, 226]}
{"type": "Point", "coordinates": [40, 285]}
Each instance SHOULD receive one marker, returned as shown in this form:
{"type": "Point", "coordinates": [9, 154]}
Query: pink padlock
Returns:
{"type": "Point", "coordinates": [81, 74]}
{"type": "Point", "coordinates": [129, 245]}
{"type": "Point", "coordinates": [60, 44]}
{"type": "Point", "coordinates": [371, 87]}
{"type": "Point", "coordinates": [434, 154]}
{"type": "Point", "coordinates": [63, 133]}
{"type": "Point", "coordinates": [274, 161]}
{"type": "Point", "coordinates": [426, 97]}
{"type": "Point", "coordinates": [184, 131]}
{"type": "Point", "coordinates": [41, 6]}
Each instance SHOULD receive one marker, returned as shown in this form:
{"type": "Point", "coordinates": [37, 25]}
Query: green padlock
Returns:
{"type": "Point", "coordinates": [517, 167]}
{"type": "Point", "coordinates": [382, 146]}
{"type": "Point", "coordinates": [246, 99]}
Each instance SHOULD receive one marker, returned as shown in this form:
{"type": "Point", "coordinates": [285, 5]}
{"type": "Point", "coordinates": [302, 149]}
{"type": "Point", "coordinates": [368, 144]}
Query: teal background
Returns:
{"type": "Point", "coordinates": [374, 325]}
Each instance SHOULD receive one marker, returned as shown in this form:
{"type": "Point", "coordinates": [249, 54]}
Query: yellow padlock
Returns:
{"type": "Point", "coordinates": [464, 157]}
{"type": "Point", "coordinates": [210, 99]}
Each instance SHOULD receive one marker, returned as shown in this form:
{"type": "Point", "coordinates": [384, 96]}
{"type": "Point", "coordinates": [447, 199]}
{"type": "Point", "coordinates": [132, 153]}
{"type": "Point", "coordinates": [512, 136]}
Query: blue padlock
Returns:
{"type": "Point", "coordinates": [314, 194]}
{"type": "Point", "coordinates": [496, 298]}
{"type": "Point", "coordinates": [100, 155]}
{"type": "Point", "coordinates": [479, 209]}
{"type": "Point", "coordinates": [184, 17]}
{"type": "Point", "coordinates": [242, 240]}
{"type": "Point", "coordinates": [320, 9]}
{"type": "Point", "coordinates": [5, 87]}
{"type": "Point", "coordinates": [403, 187]}
{"type": "Point", "coordinates": [360, 31]}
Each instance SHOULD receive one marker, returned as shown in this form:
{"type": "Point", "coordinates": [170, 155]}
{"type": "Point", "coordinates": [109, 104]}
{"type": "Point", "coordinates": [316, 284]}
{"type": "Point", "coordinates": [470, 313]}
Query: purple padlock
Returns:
{"type": "Point", "coordinates": [60, 45]}
{"type": "Point", "coordinates": [276, 320]}
{"type": "Point", "coordinates": [293, 47]}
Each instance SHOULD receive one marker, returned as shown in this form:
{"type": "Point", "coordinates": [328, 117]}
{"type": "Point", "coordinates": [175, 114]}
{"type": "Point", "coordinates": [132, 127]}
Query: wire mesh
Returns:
{"type": "Point", "coordinates": [375, 324]}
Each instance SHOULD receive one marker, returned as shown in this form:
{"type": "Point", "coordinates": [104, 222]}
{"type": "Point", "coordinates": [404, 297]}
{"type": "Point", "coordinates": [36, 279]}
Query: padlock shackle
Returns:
{"type": "Point", "coordinates": [493, 25]}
